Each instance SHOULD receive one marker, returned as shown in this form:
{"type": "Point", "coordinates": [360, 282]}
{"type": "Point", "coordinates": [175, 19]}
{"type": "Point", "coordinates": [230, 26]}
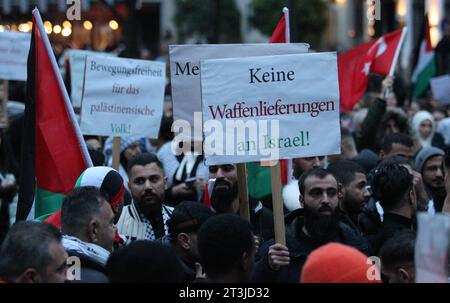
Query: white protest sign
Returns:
{"type": "Point", "coordinates": [14, 47]}
{"type": "Point", "coordinates": [122, 97]}
{"type": "Point", "coordinates": [440, 86]}
{"type": "Point", "coordinates": [185, 69]}
{"type": "Point", "coordinates": [282, 107]}
{"type": "Point", "coordinates": [432, 248]}
{"type": "Point", "coordinates": [77, 58]}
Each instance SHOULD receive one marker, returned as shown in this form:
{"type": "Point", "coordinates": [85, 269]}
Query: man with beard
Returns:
{"type": "Point", "coordinates": [429, 162]}
{"type": "Point", "coordinates": [290, 191]}
{"type": "Point", "coordinates": [354, 194]}
{"type": "Point", "coordinates": [307, 229]}
{"type": "Point", "coordinates": [225, 199]}
{"type": "Point", "coordinates": [146, 217]}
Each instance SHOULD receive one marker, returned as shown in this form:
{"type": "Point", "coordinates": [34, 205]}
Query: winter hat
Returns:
{"type": "Point", "coordinates": [425, 154]}
{"type": "Point", "coordinates": [338, 263]}
{"type": "Point", "coordinates": [188, 216]}
{"type": "Point", "coordinates": [367, 159]}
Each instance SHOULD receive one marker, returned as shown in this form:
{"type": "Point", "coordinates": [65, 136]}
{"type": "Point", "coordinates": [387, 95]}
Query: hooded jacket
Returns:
{"type": "Point", "coordinates": [434, 139]}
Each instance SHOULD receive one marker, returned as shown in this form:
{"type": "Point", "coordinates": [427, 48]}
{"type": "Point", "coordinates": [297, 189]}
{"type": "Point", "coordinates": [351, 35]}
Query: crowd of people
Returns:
{"type": "Point", "coordinates": [166, 218]}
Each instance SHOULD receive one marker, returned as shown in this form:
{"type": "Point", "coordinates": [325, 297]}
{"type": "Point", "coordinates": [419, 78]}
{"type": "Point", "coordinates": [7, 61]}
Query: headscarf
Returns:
{"type": "Point", "coordinates": [418, 118]}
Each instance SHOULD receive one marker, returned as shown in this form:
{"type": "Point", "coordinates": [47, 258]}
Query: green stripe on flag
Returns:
{"type": "Point", "coordinates": [80, 178]}
{"type": "Point", "coordinates": [258, 180]}
{"type": "Point", "coordinates": [423, 79]}
{"type": "Point", "coordinates": [46, 202]}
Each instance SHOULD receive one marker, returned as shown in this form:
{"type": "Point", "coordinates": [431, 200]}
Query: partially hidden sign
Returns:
{"type": "Point", "coordinates": [270, 107]}
{"type": "Point", "coordinates": [14, 47]}
{"type": "Point", "coordinates": [122, 97]}
{"type": "Point", "coordinates": [185, 69]}
{"type": "Point", "coordinates": [77, 59]}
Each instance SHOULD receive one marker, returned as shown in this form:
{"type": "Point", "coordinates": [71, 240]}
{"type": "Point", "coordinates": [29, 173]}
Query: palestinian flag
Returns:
{"type": "Point", "coordinates": [53, 150]}
{"type": "Point", "coordinates": [258, 176]}
{"type": "Point", "coordinates": [425, 66]}
{"type": "Point", "coordinates": [280, 35]}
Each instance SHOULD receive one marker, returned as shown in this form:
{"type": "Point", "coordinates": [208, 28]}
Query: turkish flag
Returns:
{"type": "Point", "coordinates": [354, 66]}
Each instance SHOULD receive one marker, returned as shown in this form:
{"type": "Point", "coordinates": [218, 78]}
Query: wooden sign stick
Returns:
{"type": "Point", "coordinates": [116, 153]}
{"type": "Point", "coordinates": [277, 202]}
{"type": "Point", "coordinates": [244, 208]}
{"type": "Point", "coordinates": [4, 112]}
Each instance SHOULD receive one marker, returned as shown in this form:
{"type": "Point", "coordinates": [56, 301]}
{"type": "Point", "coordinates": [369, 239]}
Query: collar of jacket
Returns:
{"type": "Point", "coordinates": [302, 248]}
{"type": "Point", "coordinates": [390, 218]}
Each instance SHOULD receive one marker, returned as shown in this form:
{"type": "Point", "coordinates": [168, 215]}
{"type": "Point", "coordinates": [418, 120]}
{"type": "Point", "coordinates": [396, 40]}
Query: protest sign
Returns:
{"type": "Point", "coordinates": [77, 59]}
{"type": "Point", "coordinates": [185, 70]}
{"type": "Point", "coordinates": [14, 47]}
{"type": "Point", "coordinates": [440, 86]}
{"type": "Point", "coordinates": [122, 97]}
{"type": "Point", "coordinates": [432, 248]}
{"type": "Point", "coordinates": [270, 107]}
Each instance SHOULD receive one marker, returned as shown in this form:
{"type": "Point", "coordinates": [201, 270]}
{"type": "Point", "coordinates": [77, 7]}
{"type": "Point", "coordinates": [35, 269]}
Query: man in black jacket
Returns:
{"type": "Point", "coordinates": [307, 229]}
{"type": "Point", "coordinates": [186, 220]}
{"type": "Point", "coordinates": [393, 187]}
{"type": "Point", "coordinates": [352, 179]}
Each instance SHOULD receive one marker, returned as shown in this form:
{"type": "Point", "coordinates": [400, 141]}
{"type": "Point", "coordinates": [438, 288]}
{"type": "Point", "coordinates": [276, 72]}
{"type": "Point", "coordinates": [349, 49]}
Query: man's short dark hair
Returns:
{"type": "Point", "coordinates": [399, 249]}
{"type": "Point", "coordinates": [27, 245]}
{"type": "Point", "coordinates": [188, 217]}
{"type": "Point", "coordinates": [144, 159]}
{"type": "Point", "coordinates": [144, 262]}
{"type": "Point", "coordinates": [345, 171]}
{"type": "Point", "coordinates": [390, 184]}
{"type": "Point", "coordinates": [79, 207]}
{"type": "Point", "coordinates": [400, 138]}
{"type": "Point", "coordinates": [313, 172]}
{"type": "Point", "coordinates": [222, 240]}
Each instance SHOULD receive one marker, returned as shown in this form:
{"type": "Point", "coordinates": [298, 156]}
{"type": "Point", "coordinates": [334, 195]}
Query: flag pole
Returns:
{"type": "Point", "coordinates": [288, 30]}
{"type": "Point", "coordinates": [70, 113]}
{"type": "Point", "coordinates": [397, 51]}
{"type": "Point", "coordinates": [4, 113]}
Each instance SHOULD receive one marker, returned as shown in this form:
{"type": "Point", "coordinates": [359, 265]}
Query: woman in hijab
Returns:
{"type": "Point", "coordinates": [425, 133]}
